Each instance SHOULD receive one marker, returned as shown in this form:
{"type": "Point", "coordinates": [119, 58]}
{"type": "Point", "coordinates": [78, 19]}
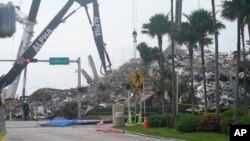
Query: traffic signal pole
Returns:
{"type": "Point", "coordinates": [79, 86]}
{"type": "Point", "coordinates": [24, 83]}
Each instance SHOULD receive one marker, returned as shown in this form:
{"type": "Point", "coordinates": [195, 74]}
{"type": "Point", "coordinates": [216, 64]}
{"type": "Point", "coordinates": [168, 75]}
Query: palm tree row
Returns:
{"type": "Point", "coordinates": [237, 10]}
{"type": "Point", "coordinates": [197, 32]}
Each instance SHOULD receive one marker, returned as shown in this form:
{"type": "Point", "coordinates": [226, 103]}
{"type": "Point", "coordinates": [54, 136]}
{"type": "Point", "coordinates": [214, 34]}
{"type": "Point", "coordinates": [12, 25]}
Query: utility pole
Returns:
{"type": "Point", "coordinates": [79, 86]}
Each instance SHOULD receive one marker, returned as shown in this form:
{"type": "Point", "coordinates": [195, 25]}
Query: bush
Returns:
{"type": "Point", "coordinates": [170, 121]}
{"type": "Point", "coordinates": [229, 113]}
{"type": "Point", "coordinates": [226, 120]}
{"type": "Point", "coordinates": [243, 120]}
{"type": "Point", "coordinates": [209, 123]}
{"type": "Point", "coordinates": [225, 125]}
{"type": "Point", "coordinates": [186, 122]}
{"type": "Point", "coordinates": [157, 120]}
{"type": "Point", "coordinates": [100, 111]}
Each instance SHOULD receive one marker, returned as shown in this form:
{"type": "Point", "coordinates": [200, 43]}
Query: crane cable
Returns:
{"type": "Point", "coordinates": [134, 14]}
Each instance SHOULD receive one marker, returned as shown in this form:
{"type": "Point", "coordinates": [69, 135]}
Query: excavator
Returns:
{"type": "Point", "coordinates": [40, 40]}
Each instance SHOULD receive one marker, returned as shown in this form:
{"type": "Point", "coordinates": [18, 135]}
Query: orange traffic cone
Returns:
{"type": "Point", "coordinates": [145, 123]}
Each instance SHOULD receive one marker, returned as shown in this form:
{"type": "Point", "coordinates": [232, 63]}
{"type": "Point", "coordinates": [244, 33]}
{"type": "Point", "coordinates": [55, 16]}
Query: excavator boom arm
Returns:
{"type": "Point", "coordinates": [37, 44]}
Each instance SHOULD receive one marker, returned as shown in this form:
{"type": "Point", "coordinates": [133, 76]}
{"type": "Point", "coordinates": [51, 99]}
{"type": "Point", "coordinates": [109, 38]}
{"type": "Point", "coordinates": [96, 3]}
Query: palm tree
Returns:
{"type": "Point", "coordinates": [201, 22]}
{"type": "Point", "coordinates": [158, 26]}
{"type": "Point", "coordinates": [232, 10]}
{"type": "Point", "coordinates": [187, 37]}
{"type": "Point", "coordinates": [147, 54]}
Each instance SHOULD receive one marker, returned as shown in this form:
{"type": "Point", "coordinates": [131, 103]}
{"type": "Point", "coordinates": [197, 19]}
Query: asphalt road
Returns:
{"type": "Point", "coordinates": [32, 131]}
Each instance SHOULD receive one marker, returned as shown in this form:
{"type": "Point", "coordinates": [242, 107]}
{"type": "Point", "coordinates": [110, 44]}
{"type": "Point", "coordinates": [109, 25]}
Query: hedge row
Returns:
{"type": "Point", "coordinates": [186, 122]}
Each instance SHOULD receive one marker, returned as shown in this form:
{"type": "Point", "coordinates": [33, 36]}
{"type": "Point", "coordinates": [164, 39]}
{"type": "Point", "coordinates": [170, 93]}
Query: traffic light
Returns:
{"type": "Point", "coordinates": [28, 60]}
{"type": "Point", "coordinates": [7, 20]}
{"type": "Point", "coordinates": [33, 60]}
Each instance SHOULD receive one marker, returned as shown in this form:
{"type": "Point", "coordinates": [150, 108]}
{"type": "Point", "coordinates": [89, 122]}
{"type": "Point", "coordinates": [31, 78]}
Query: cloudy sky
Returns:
{"type": "Point", "coordinates": [74, 38]}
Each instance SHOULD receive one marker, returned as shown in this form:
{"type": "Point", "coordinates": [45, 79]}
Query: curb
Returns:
{"type": "Point", "coordinates": [151, 136]}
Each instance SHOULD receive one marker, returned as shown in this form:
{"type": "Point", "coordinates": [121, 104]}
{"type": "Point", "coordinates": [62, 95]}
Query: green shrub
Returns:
{"type": "Point", "coordinates": [170, 121]}
{"type": "Point", "coordinates": [100, 111]}
{"type": "Point", "coordinates": [186, 122]}
{"type": "Point", "coordinates": [229, 113]}
{"type": "Point", "coordinates": [226, 119]}
{"type": "Point", "coordinates": [225, 125]}
{"type": "Point", "coordinates": [243, 120]}
{"type": "Point", "coordinates": [209, 123]}
{"type": "Point", "coordinates": [157, 120]}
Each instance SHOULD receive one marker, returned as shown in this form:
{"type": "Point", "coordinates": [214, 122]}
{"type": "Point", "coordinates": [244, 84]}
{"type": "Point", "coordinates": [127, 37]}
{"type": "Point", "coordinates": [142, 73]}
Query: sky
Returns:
{"type": "Point", "coordinates": [74, 38]}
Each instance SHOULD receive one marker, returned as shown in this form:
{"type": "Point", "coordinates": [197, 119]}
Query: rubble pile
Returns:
{"type": "Point", "coordinates": [111, 89]}
{"type": "Point", "coordinates": [227, 72]}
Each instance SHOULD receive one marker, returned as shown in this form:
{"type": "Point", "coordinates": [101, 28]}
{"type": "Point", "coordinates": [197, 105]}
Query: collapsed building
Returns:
{"type": "Point", "coordinates": [110, 89]}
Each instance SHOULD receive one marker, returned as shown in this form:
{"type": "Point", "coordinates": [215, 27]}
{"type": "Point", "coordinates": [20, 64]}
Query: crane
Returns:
{"type": "Point", "coordinates": [38, 43]}
{"type": "Point", "coordinates": [29, 23]}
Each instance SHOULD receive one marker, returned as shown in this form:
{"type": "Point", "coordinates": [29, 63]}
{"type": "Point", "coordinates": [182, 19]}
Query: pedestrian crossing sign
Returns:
{"type": "Point", "coordinates": [136, 79]}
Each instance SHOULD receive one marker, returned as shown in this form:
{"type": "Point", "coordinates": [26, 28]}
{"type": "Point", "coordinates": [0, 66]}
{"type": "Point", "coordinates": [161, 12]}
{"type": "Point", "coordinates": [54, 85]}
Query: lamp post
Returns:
{"type": "Point", "coordinates": [134, 33]}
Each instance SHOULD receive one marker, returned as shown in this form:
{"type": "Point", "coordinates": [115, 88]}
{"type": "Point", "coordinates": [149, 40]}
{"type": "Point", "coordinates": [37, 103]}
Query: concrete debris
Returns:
{"type": "Point", "coordinates": [108, 90]}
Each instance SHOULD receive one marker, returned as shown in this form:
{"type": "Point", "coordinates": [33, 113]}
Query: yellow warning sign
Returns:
{"type": "Point", "coordinates": [136, 79]}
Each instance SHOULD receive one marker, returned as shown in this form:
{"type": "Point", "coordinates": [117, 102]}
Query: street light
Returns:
{"type": "Point", "coordinates": [134, 33]}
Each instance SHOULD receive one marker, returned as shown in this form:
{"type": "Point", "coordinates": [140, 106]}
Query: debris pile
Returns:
{"type": "Point", "coordinates": [108, 90]}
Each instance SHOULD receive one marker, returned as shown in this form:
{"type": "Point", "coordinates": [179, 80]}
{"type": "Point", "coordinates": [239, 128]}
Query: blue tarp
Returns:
{"type": "Point", "coordinates": [62, 122]}
{"type": "Point", "coordinates": [66, 122]}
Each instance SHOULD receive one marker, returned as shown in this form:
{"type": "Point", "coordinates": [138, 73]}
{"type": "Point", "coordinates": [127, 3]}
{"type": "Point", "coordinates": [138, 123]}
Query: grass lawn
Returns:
{"type": "Point", "coordinates": [172, 133]}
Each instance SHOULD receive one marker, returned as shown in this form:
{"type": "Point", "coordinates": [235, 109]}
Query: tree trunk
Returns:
{"type": "Point", "coordinates": [204, 76]}
{"type": "Point", "coordinates": [236, 94]}
{"type": "Point", "coordinates": [192, 77]}
{"type": "Point", "coordinates": [217, 97]}
{"type": "Point", "coordinates": [173, 66]}
{"type": "Point", "coordinates": [244, 67]}
{"type": "Point", "coordinates": [162, 72]}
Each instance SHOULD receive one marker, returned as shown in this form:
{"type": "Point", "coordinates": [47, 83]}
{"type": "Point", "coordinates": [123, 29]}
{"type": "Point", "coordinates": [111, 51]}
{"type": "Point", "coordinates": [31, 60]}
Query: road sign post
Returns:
{"type": "Point", "coordinates": [137, 79]}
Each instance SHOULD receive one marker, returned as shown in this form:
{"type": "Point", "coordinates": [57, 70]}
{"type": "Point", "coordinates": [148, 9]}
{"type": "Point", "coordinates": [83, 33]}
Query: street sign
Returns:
{"type": "Point", "coordinates": [136, 78]}
{"type": "Point", "coordinates": [59, 60]}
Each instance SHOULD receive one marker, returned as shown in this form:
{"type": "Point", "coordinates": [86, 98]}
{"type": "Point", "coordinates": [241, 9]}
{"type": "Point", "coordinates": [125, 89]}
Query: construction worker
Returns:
{"type": "Point", "coordinates": [26, 109]}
